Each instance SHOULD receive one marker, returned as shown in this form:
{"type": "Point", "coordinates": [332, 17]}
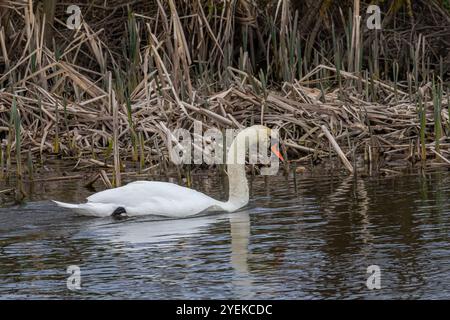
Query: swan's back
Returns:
{"type": "Point", "coordinates": [141, 190]}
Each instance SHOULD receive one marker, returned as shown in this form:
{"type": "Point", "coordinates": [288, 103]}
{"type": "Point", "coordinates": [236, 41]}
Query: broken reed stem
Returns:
{"type": "Point", "coordinates": [338, 149]}
{"type": "Point", "coordinates": [440, 156]}
{"type": "Point", "coordinates": [105, 179]}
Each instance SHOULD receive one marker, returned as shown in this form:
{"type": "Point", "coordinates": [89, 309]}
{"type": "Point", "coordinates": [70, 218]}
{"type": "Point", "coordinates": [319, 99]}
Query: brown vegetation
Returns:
{"type": "Point", "coordinates": [100, 93]}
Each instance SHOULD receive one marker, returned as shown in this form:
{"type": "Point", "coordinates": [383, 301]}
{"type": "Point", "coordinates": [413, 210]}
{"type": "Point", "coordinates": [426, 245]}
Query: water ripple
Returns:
{"type": "Point", "coordinates": [314, 242]}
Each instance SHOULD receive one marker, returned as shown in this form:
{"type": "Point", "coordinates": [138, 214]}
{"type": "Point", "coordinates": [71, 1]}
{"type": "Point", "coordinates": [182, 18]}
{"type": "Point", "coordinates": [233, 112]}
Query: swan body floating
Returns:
{"type": "Point", "coordinates": [171, 200]}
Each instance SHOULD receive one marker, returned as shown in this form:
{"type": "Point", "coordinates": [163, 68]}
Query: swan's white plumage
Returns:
{"type": "Point", "coordinates": [168, 199]}
{"type": "Point", "coordinates": [147, 197]}
{"type": "Point", "coordinates": [145, 191]}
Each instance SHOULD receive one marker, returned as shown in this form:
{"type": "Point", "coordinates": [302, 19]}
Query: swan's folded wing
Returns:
{"type": "Point", "coordinates": [141, 191]}
{"type": "Point", "coordinates": [159, 198]}
{"type": "Point", "coordinates": [169, 208]}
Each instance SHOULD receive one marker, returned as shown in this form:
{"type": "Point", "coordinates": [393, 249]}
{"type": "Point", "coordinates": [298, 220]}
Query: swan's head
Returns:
{"type": "Point", "coordinates": [256, 133]}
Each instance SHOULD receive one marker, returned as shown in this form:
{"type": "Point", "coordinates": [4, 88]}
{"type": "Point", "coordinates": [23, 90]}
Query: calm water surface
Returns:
{"type": "Point", "coordinates": [314, 241]}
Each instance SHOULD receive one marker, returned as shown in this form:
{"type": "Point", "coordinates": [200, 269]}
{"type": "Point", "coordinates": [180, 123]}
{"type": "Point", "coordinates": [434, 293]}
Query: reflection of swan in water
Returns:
{"type": "Point", "coordinates": [140, 232]}
{"type": "Point", "coordinates": [240, 238]}
{"type": "Point", "coordinates": [133, 235]}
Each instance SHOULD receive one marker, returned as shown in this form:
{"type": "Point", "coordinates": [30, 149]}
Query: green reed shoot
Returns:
{"type": "Point", "coordinates": [292, 46]}
{"type": "Point", "coordinates": [109, 149]}
{"type": "Point", "coordinates": [423, 123]}
{"type": "Point", "coordinates": [18, 144]}
{"type": "Point", "coordinates": [448, 107]}
{"type": "Point", "coordinates": [395, 71]}
{"type": "Point", "coordinates": [65, 114]}
{"type": "Point", "coordinates": [133, 50]}
{"type": "Point", "coordinates": [409, 76]}
{"type": "Point", "coordinates": [56, 141]}
{"type": "Point", "coordinates": [134, 152]}
{"type": "Point", "coordinates": [30, 164]}
{"type": "Point", "coordinates": [141, 151]}
{"type": "Point", "coordinates": [2, 161]}
{"type": "Point", "coordinates": [437, 100]}
{"type": "Point", "coordinates": [366, 84]}
{"type": "Point", "coordinates": [299, 61]}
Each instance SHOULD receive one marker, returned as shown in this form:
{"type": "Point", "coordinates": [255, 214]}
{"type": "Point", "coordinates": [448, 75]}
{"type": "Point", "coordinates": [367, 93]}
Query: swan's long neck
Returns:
{"type": "Point", "coordinates": [238, 186]}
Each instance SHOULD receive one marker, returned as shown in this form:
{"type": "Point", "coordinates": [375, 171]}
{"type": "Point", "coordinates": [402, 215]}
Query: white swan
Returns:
{"type": "Point", "coordinates": [171, 200]}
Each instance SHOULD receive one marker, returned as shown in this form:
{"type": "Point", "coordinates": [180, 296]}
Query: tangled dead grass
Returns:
{"type": "Point", "coordinates": [105, 94]}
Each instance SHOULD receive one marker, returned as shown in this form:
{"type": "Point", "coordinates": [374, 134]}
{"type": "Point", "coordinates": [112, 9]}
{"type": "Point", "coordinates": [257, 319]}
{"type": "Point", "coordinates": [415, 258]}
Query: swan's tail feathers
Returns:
{"type": "Point", "coordinates": [78, 208]}
{"type": "Point", "coordinates": [67, 205]}
{"type": "Point", "coordinates": [89, 209]}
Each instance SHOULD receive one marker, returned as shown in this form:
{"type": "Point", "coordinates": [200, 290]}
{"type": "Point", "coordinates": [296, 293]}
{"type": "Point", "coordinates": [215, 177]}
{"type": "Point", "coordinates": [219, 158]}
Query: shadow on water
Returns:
{"type": "Point", "coordinates": [313, 241]}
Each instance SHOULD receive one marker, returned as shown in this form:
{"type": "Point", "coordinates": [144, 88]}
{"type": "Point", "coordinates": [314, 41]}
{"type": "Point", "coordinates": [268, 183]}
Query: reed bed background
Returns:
{"type": "Point", "coordinates": [106, 94]}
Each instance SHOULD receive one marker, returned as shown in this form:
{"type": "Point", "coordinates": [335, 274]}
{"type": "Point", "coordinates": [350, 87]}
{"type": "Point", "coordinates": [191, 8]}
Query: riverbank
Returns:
{"type": "Point", "coordinates": [87, 98]}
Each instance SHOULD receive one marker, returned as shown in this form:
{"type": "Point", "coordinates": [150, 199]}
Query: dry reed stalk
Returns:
{"type": "Point", "coordinates": [105, 179]}
{"type": "Point", "coordinates": [197, 62]}
{"type": "Point", "coordinates": [440, 156]}
{"type": "Point", "coordinates": [338, 149]}
{"type": "Point", "coordinates": [356, 36]}
{"type": "Point", "coordinates": [114, 107]}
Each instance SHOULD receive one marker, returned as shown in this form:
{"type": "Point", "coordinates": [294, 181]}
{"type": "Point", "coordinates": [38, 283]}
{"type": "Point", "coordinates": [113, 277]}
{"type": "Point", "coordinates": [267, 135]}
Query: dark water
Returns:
{"type": "Point", "coordinates": [314, 242]}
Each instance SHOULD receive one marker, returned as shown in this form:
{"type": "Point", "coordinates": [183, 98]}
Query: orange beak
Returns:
{"type": "Point", "coordinates": [275, 150]}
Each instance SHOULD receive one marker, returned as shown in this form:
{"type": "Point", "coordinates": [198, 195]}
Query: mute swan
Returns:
{"type": "Point", "coordinates": [171, 200]}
